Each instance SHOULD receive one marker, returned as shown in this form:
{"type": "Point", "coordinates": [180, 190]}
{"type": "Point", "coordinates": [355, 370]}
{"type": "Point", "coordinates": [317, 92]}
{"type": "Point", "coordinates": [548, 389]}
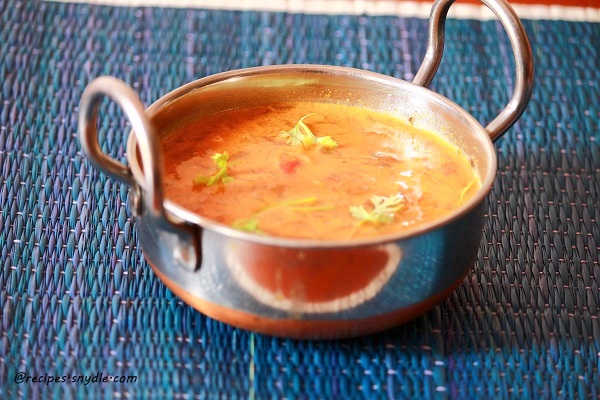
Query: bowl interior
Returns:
{"type": "Point", "coordinates": [267, 85]}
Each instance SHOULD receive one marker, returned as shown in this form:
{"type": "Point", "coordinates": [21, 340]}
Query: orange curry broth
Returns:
{"type": "Point", "coordinates": [378, 154]}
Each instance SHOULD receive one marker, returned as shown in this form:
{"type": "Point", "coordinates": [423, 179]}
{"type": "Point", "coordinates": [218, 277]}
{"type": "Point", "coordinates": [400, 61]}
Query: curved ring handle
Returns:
{"type": "Point", "coordinates": [521, 50]}
{"type": "Point", "coordinates": [186, 250]}
{"type": "Point", "coordinates": [147, 140]}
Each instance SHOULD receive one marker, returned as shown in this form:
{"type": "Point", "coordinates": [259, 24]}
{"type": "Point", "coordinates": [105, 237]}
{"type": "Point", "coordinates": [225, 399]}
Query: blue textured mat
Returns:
{"type": "Point", "coordinates": [77, 297]}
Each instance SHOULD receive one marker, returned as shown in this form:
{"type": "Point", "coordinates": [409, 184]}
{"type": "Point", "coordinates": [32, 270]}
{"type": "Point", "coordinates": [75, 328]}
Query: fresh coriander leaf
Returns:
{"type": "Point", "coordinates": [384, 209]}
{"type": "Point", "coordinates": [220, 160]}
{"type": "Point", "coordinates": [301, 134]}
{"type": "Point", "coordinates": [301, 205]}
{"type": "Point", "coordinates": [247, 225]}
{"type": "Point", "coordinates": [464, 192]}
{"type": "Point", "coordinates": [306, 200]}
{"type": "Point", "coordinates": [327, 142]}
{"type": "Point", "coordinates": [314, 208]}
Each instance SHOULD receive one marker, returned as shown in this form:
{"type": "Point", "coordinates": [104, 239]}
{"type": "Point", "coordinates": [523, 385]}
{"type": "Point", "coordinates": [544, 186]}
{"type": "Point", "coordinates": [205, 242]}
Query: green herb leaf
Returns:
{"type": "Point", "coordinates": [306, 200]}
{"type": "Point", "coordinates": [384, 209]}
{"type": "Point", "coordinates": [301, 205]}
{"type": "Point", "coordinates": [301, 134]}
{"type": "Point", "coordinates": [247, 225]}
{"type": "Point", "coordinates": [221, 160]}
{"type": "Point", "coordinates": [327, 142]}
{"type": "Point", "coordinates": [314, 208]}
{"type": "Point", "coordinates": [464, 192]}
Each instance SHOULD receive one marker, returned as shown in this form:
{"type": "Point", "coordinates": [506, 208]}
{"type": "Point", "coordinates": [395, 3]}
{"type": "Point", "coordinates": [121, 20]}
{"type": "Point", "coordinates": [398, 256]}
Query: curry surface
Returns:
{"type": "Point", "coordinates": [378, 154]}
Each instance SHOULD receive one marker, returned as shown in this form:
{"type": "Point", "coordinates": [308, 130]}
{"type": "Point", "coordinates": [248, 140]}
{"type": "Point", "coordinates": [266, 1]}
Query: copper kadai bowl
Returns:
{"type": "Point", "coordinates": [308, 288]}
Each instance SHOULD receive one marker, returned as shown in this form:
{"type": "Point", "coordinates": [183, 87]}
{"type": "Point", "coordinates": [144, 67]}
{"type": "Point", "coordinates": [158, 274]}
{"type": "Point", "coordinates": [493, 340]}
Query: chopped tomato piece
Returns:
{"type": "Point", "coordinates": [289, 165]}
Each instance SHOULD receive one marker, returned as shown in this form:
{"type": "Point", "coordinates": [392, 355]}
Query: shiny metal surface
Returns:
{"type": "Point", "coordinates": [290, 287]}
{"type": "Point", "coordinates": [316, 292]}
{"type": "Point", "coordinates": [521, 50]}
{"type": "Point", "coordinates": [263, 85]}
{"type": "Point", "coordinates": [182, 236]}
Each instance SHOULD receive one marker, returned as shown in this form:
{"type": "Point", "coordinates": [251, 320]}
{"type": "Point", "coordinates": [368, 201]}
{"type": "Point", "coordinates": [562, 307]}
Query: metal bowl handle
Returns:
{"type": "Point", "coordinates": [521, 50]}
{"type": "Point", "coordinates": [149, 203]}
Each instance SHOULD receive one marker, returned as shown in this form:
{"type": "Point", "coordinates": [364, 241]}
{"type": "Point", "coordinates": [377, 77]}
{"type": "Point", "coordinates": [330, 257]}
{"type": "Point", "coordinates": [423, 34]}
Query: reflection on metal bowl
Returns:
{"type": "Point", "coordinates": [313, 281]}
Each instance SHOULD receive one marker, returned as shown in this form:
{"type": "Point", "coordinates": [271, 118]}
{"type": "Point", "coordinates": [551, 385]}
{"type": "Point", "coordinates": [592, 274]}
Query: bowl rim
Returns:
{"type": "Point", "coordinates": [181, 213]}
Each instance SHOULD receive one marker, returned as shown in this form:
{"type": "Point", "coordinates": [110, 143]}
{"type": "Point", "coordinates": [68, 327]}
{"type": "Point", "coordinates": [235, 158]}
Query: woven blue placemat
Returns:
{"type": "Point", "coordinates": [77, 297]}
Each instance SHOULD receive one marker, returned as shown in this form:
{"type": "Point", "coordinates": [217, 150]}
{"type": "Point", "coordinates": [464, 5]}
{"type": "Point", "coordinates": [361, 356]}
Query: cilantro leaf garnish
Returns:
{"type": "Point", "coordinates": [301, 134]}
{"type": "Point", "coordinates": [301, 205]}
{"type": "Point", "coordinates": [220, 159]}
{"type": "Point", "coordinates": [247, 225]}
{"type": "Point", "coordinates": [464, 192]}
{"type": "Point", "coordinates": [383, 212]}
